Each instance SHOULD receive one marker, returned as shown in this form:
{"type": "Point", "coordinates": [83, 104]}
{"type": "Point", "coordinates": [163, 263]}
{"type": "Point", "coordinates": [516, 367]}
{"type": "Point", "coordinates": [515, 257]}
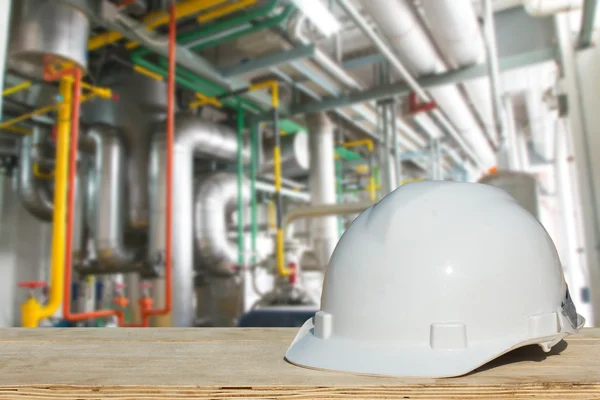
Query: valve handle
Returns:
{"type": "Point", "coordinates": [32, 284]}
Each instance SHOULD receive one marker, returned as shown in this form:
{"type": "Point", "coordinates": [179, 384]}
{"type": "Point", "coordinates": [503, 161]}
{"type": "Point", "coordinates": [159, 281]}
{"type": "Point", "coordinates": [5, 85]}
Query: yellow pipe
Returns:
{"type": "Point", "coordinates": [147, 73]}
{"type": "Point", "coordinates": [40, 111]}
{"type": "Point", "coordinates": [39, 174]}
{"type": "Point", "coordinates": [60, 202]}
{"type": "Point", "coordinates": [225, 10]}
{"type": "Point", "coordinates": [273, 85]}
{"type": "Point", "coordinates": [203, 100]}
{"type": "Point", "coordinates": [372, 189]}
{"type": "Point", "coordinates": [16, 88]}
{"type": "Point", "coordinates": [25, 117]}
{"type": "Point", "coordinates": [271, 214]}
{"type": "Point", "coordinates": [18, 129]}
{"type": "Point", "coordinates": [363, 142]}
{"type": "Point", "coordinates": [152, 21]}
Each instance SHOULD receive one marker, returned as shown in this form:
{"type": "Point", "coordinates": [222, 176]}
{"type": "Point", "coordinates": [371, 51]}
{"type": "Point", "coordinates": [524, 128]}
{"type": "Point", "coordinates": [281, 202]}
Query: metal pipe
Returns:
{"type": "Point", "coordinates": [57, 264]}
{"type": "Point", "coordinates": [292, 194]}
{"type": "Point", "coordinates": [71, 191]}
{"type": "Point", "coordinates": [216, 198]}
{"type": "Point", "coordinates": [192, 136]}
{"type": "Point", "coordinates": [588, 19]}
{"type": "Point", "coordinates": [109, 225]}
{"type": "Point", "coordinates": [34, 193]}
{"type": "Point", "coordinates": [396, 144]}
{"type": "Point", "coordinates": [5, 7]}
{"type": "Point", "coordinates": [168, 195]}
{"type": "Point", "coordinates": [254, 149]}
{"type": "Point", "coordinates": [455, 28]}
{"type": "Point", "coordinates": [322, 182]}
{"type": "Point", "coordinates": [489, 34]}
{"type": "Point", "coordinates": [240, 177]}
{"type": "Point", "coordinates": [323, 210]}
{"type": "Point", "coordinates": [362, 23]}
{"type": "Point", "coordinates": [335, 70]}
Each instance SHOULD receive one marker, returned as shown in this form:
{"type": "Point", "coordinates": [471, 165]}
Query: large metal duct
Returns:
{"type": "Point", "coordinates": [35, 194]}
{"type": "Point", "coordinates": [216, 201]}
{"type": "Point", "coordinates": [402, 28]}
{"type": "Point", "coordinates": [142, 103]}
{"type": "Point", "coordinates": [322, 183]}
{"type": "Point", "coordinates": [109, 227]}
{"type": "Point", "coordinates": [192, 136]}
{"type": "Point", "coordinates": [455, 29]}
{"type": "Point", "coordinates": [46, 31]}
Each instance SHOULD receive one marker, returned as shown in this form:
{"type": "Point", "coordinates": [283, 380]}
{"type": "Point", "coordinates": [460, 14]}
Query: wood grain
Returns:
{"type": "Point", "coordinates": [70, 364]}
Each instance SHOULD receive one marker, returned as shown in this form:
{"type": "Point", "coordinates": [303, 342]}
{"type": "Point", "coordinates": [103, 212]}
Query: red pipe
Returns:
{"type": "Point", "coordinates": [169, 190]}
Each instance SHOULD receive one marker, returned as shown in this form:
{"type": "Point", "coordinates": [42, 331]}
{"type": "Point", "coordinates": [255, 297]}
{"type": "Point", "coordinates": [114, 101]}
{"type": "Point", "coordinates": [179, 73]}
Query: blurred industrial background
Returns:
{"type": "Point", "coordinates": [194, 163]}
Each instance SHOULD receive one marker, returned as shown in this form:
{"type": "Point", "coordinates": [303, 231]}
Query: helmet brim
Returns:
{"type": "Point", "coordinates": [385, 358]}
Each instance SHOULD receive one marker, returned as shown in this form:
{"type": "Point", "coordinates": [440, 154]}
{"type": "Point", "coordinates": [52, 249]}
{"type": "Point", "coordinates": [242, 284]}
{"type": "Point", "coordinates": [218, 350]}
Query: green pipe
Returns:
{"type": "Point", "coordinates": [268, 23]}
{"type": "Point", "coordinates": [240, 177]}
{"type": "Point", "coordinates": [253, 172]}
{"type": "Point", "coordinates": [195, 83]}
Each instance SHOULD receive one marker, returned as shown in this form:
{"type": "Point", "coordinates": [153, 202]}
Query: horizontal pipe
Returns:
{"type": "Point", "coordinates": [323, 211]}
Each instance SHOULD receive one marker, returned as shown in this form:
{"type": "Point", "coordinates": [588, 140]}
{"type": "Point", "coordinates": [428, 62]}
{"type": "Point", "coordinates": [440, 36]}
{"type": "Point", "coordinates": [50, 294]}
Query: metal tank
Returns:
{"type": "Point", "coordinates": [46, 32]}
{"type": "Point", "coordinates": [295, 160]}
{"type": "Point", "coordinates": [520, 185]}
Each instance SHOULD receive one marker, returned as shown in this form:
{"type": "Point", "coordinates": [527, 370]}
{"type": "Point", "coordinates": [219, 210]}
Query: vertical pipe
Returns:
{"type": "Point", "coordinates": [169, 178]}
{"type": "Point", "coordinates": [372, 184]}
{"type": "Point", "coordinates": [388, 176]}
{"type": "Point", "coordinates": [4, 23]}
{"type": "Point", "coordinates": [489, 34]}
{"type": "Point", "coordinates": [240, 176]}
{"type": "Point", "coordinates": [278, 204]}
{"type": "Point", "coordinates": [60, 202]}
{"type": "Point", "coordinates": [68, 253]}
{"type": "Point", "coordinates": [396, 144]}
{"type": "Point", "coordinates": [339, 182]}
{"type": "Point", "coordinates": [322, 182]}
{"type": "Point", "coordinates": [253, 171]}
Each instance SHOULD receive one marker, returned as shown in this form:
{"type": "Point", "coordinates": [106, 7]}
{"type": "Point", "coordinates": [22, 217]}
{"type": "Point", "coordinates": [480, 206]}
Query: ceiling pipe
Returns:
{"type": "Point", "coordinates": [455, 29]}
{"type": "Point", "coordinates": [399, 23]}
{"type": "Point", "coordinates": [544, 8]}
{"type": "Point", "coordinates": [336, 71]}
{"type": "Point", "coordinates": [192, 137]}
{"type": "Point", "coordinates": [494, 74]}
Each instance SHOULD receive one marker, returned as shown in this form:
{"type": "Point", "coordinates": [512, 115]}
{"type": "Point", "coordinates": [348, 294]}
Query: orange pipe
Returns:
{"type": "Point", "coordinates": [76, 72]}
{"type": "Point", "coordinates": [146, 313]}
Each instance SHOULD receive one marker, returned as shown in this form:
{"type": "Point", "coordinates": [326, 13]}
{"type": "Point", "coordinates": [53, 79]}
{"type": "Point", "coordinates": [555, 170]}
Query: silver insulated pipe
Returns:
{"type": "Point", "coordinates": [322, 183]}
{"type": "Point", "coordinates": [216, 201]}
{"type": "Point", "coordinates": [35, 194]}
{"type": "Point", "coordinates": [109, 201]}
{"type": "Point", "coordinates": [142, 103]}
{"type": "Point", "coordinates": [192, 137]}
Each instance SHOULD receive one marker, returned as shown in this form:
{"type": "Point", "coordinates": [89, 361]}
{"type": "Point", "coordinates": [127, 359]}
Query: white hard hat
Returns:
{"type": "Point", "coordinates": [435, 280]}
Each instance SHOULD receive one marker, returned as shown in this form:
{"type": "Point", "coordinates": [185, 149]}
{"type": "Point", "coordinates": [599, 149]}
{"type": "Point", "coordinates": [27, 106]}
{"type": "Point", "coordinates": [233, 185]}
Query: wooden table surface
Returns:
{"type": "Point", "coordinates": [233, 363]}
